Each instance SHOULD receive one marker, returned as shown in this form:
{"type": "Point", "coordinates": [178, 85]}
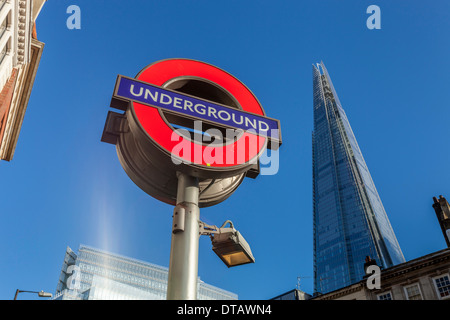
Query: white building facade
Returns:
{"type": "Point", "coordinates": [20, 53]}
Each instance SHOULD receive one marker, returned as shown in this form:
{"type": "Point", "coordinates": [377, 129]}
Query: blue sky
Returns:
{"type": "Point", "coordinates": [65, 188]}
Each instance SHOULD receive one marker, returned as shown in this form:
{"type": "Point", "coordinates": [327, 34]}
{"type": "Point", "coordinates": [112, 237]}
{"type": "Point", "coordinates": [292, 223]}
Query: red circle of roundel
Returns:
{"type": "Point", "coordinates": [246, 148]}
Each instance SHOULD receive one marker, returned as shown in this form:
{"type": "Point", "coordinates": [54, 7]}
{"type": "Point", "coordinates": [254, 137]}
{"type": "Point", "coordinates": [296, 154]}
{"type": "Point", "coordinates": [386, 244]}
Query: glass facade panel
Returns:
{"type": "Point", "coordinates": [349, 219]}
{"type": "Point", "coordinates": [94, 274]}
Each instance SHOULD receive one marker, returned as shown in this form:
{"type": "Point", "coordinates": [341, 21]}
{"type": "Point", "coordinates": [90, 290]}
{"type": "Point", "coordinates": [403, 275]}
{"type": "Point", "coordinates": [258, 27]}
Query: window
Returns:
{"type": "Point", "coordinates": [413, 292]}
{"type": "Point", "coordinates": [442, 285]}
{"type": "Point", "coordinates": [3, 26]}
{"type": "Point", "coordinates": [385, 296]}
{"type": "Point", "coordinates": [3, 53]}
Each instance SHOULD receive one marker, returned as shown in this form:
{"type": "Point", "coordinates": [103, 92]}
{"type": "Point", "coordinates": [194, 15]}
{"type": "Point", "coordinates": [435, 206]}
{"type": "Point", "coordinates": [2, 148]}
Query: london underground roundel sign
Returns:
{"type": "Point", "coordinates": [187, 116]}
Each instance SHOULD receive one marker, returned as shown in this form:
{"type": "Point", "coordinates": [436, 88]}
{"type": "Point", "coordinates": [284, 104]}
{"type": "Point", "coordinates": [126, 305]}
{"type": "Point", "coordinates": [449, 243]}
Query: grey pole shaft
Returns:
{"type": "Point", "coordinates": [183, 267]}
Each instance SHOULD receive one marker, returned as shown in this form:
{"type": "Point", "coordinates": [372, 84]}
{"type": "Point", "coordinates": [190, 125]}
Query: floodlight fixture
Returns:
{"type": "Point", "coordinates": [229, 245]}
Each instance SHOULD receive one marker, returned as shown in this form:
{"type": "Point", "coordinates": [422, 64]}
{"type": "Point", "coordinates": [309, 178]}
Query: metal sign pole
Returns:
{"type": "Point", "coordinates": [183, 267]}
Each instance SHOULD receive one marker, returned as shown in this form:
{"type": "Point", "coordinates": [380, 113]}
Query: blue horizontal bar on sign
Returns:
{"type": "Point", "coordinates": [145, 93]}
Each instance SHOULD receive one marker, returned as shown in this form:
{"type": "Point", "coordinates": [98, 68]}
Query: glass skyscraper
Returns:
{"type": "Point", "coordinates": [349, 219]}
{"type": "Point", "coordinates": [94, 274]}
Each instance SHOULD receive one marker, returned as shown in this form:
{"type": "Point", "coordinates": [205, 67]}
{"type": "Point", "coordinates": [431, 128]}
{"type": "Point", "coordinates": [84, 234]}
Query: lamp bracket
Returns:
{"type": "Point", "coordinates": [208, 230]}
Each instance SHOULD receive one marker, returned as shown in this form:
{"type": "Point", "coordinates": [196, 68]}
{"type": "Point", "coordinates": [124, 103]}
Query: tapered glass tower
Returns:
{"type": "Point", "coordinates": [350, 222]}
